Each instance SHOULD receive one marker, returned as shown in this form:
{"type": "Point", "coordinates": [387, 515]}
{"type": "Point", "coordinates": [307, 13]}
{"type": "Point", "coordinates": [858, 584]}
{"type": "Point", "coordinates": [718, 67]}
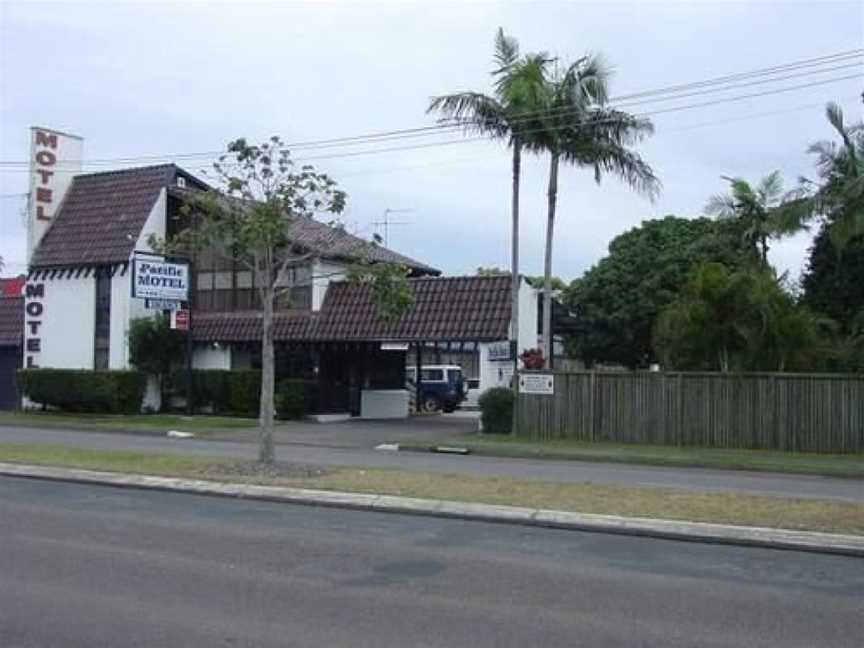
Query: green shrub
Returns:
{"type": "Point", "coordinates": [295, 398]}
{"type": "Point", "coordinates": [234, 392]}
{"type": "Point", "coordinates": [79, 390]}
{"type": "Point", "coordinates": [496, 410]}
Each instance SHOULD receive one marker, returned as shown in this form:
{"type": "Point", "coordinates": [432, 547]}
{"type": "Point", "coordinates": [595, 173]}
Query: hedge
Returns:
{"type": "Point", "coordinates": [496, 410]}
{"type": "Point", "coordinates": [295, 398]}
{"type": "Point", "coordinates": [234, 392]}
{"type": "Point", "coordinates": [80, 390]}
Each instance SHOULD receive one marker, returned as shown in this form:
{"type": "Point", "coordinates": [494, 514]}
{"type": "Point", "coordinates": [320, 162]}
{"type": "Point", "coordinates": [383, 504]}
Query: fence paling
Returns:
{"type": "Point", "coordinates": [797, 412]}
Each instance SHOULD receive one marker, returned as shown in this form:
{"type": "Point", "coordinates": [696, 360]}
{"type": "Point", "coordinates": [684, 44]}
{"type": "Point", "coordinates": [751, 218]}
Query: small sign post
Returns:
{"type": "Point", "coordinates": [532, 383]}
{"type": "Point", "coordinates": [180, 319]}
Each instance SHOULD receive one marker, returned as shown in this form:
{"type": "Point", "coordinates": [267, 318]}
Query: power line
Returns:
{"type": "Point", "coordinates": [452, 127]}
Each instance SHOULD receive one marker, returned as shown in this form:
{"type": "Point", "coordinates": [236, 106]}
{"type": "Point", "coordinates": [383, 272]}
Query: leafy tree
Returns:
{"type": "Point", "coordinates": [575, 125]}
{"type": "Point", "coordinates": [833, 284]}
{"type": "Point", "coordinates": [492, 271]}
{"type": "Point", "coordinates": [504, 115]}
{"type": "Point", "coordinates": [618, 300]}
{"type": "Point", "coordinates": [838, 197]}
{"type": "Point", "coordinates": [155, 348]}
{"type": "Point", "coordinates": [739, 320]}
{"type": "Point", "coordinates": [765, 212]}
{"type": "Point", "coordinates": [558, 284]}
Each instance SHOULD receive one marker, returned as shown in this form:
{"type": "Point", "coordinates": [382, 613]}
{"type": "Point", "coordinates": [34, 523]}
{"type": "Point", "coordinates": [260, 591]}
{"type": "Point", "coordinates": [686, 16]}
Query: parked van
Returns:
{"type": "Point", "coordinates": [443, 387]}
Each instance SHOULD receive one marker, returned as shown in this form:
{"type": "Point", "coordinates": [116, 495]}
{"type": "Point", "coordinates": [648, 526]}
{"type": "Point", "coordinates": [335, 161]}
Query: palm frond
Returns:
{"type": "Point", "coordinates": [474, 111]}
{"type": "Point", "coordinates": [506, 51]}
{"type": "Point", "coordinates": [721, 206]}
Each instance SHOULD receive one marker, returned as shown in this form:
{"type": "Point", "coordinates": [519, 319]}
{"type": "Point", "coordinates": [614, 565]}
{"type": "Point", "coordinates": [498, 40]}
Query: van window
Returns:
{"type": "Point", "coordinates": [453, 375]}
{"type": "Point", "coordinates": [432, 375]}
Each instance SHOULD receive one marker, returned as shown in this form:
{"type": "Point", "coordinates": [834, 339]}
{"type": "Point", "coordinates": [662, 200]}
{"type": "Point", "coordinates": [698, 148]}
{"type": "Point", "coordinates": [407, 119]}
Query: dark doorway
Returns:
{"type": "Point", "coordinates": [10, 362]}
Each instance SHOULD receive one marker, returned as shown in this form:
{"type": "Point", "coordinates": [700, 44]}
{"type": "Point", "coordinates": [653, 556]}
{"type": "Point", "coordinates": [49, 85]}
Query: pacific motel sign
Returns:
{"type": "Point", "coordinates": [156, 279]}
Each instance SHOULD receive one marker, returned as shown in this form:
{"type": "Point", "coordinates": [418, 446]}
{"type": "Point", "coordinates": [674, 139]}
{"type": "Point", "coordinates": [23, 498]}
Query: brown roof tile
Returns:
{"type": "Point", "coordinates": [11, 321]}
{"type": "Point", "coordinates": [101, 217]}
{"type": "Point", "coordinates": [334, 242]}
{"type": "Point", "coordinates": [246, 326]}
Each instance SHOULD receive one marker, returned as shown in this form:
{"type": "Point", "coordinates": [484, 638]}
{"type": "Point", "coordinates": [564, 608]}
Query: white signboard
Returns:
{"type": "Point", "coordinates": [162, 304]}
{"type": "Point", "coordinates": [537, 384]}
{"type": "Point", "coordinates": [499, 351]}
{"type": "Point", "coordinates": [156, 279]}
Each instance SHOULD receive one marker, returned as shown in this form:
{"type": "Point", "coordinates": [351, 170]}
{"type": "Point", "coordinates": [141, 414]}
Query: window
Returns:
{"type": "Point", "coordinates": [432, 375]}
{"type": "Point", "coordinates": [102, 329]}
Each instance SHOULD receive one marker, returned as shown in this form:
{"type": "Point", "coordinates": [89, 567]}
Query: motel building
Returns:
{"type": "Point", "coordinates": [74, 307]}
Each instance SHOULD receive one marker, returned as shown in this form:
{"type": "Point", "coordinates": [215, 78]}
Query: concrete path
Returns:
{"type": "Point", "coordinates": [85, 566]}
{"type": "Point", "coordinates": [547, 470]}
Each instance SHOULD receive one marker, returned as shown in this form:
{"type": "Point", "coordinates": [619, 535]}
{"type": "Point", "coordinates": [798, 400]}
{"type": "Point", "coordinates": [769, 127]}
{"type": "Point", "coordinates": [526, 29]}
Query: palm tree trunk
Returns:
{"type": "Point", "coordinates": [514, 262]}
{"type": "Point", "coordinates": [266, 454]}
{"type": "Point", "coordinates": [552, 196]}
{"type": "Point", "coordinates": [764, 251]}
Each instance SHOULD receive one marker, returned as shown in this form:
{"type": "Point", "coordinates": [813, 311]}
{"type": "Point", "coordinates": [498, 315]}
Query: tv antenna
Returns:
{"type": "Point", "coordinates": [386, 222]}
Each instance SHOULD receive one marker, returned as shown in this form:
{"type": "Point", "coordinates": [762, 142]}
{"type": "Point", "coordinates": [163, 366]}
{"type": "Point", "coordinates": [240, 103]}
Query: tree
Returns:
{"type": "Point", "coordinates": [155, 348]}
{"type": "Point", "coordinates": [618, 300]}
{"type": "Point", "coordinates": [576, 126]}
{"type": "Point", "coordinates": [833, 284]}
{"type": "Point", "coordinates": [492, 271]}
{"type": "Point", "coordinates": [839, 196]}
{"type": "Point", "coordinates": [739, 320]}
{"type": "Point", "coordinates": [505, 115]}
{"type": "Point", "coordinates": [765, 212]}
{"type": "Point", "coordinates": [247, 219]}
{"type": "Point", "coordinates": [558, 284]}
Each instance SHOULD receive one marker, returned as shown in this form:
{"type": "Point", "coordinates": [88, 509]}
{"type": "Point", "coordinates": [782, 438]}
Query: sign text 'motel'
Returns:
{"type": "Point", "coordinates": [34, 307]}
{"type": "Point", "coordinates": [44, 158]}
{"type": "Point", "coordinates": [160, 280]}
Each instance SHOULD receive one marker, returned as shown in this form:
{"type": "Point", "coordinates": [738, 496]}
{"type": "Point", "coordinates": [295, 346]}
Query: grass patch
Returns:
{"type": "Point", "coordinates": [833, 465]}
{"type": "Point", "coordinates": [673, 504]}
{"type": "Point", "coordinates": [201, 425]}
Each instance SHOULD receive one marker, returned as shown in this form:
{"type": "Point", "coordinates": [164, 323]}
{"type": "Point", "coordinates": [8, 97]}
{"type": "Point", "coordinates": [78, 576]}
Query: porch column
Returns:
{"type": "Point", "coordinates": [418, 385]}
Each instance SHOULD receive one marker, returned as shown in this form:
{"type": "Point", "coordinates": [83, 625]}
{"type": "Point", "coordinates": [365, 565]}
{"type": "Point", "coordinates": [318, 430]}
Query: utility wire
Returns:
{"type": "Point", "coordinates": [452, 127]}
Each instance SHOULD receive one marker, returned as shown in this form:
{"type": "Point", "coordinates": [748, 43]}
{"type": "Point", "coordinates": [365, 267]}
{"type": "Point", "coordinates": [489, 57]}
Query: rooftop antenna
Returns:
{"type": "Point", "coordinates": [386, 222]}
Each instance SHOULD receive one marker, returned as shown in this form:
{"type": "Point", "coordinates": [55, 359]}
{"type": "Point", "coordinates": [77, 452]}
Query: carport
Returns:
{"type": "Point", "coordinates": [11, 353]}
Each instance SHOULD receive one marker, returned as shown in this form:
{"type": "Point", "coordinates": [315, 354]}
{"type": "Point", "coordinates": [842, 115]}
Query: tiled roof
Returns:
{"type": "Point", "coordinates": [444, 308]}
{"type": "Point", "coordinates": [246, 326]}
{"type": "Point", "coordinates": [467, 309]}
{"type": "Point", "coordinates": [12, 286]}
{"type": "Point", "coordinates": [334, 242]}
{"type": "Point", "coordinates": [11, 321]}
{"type": "Point", "coordinates": [101, 217]}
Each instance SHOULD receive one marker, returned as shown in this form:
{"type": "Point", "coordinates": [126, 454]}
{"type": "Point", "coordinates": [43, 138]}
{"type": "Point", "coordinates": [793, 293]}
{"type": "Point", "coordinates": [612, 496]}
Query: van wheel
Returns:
{"type": "Point", "coordinates": [430, 404]}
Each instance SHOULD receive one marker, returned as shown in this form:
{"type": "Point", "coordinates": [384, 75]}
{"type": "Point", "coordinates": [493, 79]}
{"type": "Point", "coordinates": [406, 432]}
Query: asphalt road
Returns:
{"type": "Point", "coordinates": [542, 469]}
{"type": "Point", "coordinates": [89, 566]}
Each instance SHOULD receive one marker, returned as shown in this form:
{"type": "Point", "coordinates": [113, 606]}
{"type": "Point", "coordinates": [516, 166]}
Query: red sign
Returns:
{"type": "Point", "coordinates": [180, 320]}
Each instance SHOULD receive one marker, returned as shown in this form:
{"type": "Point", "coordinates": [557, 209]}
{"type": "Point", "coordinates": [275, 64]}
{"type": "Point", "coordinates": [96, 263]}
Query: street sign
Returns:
{"type": "Point", "coordinates": [180, 320]}
{"type": "Point", "coordinates": [537, 384]}
{"type": "Point", "coordinates": [153, 278]}
{"type": "Point", "coordinates": [162, 304]}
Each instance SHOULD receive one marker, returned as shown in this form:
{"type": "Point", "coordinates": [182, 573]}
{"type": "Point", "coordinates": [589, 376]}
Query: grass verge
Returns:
{"type": "Point", "coordinates": [673, 504]}
{"type": "Point", "coordinates": [831, 465]}
{"type": "Point", "coordinates": [161, 423]}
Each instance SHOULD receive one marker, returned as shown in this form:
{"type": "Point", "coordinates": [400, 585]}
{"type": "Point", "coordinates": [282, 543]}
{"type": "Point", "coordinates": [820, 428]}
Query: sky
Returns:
{"type": "Point", "coordinates": [164, 79]}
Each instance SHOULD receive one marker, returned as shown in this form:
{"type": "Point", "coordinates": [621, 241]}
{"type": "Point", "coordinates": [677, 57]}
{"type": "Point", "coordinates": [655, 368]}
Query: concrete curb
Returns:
{"type": "Point", "coordinates": [827, 543]}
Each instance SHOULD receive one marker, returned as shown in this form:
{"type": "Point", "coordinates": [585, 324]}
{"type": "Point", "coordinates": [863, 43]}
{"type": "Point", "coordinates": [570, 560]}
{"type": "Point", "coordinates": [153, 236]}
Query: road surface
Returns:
{"type": "Point", "coordinates": [89, 566]}
{"type": "Point", "coordinates": [543, 469]}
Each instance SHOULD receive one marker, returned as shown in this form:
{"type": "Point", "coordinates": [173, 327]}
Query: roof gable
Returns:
{"type": "Point", "coordinates": [101, 217]}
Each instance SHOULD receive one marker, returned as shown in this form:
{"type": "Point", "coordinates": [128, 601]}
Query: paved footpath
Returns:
{"type": "Point", "coordinates": [562, 471]}
{"type": "Point", "coordinates": [91, 566]}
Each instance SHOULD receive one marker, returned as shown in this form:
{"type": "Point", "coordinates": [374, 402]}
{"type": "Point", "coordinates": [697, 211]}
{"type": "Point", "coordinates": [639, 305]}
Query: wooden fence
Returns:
{"type": "Point", "coordinates": [795, 412]}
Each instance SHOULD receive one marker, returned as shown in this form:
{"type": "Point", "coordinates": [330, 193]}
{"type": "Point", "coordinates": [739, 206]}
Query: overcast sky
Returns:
{"type": "Point", "coordinates": [170, 78]}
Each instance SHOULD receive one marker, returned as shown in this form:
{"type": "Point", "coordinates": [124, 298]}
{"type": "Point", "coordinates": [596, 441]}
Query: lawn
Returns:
{"type": "Point", "coordinates": [834, 465]}
{"type": "Point", "coordinates": [674, 504]}
{"type": "Point", "coordinates": [161, 423]}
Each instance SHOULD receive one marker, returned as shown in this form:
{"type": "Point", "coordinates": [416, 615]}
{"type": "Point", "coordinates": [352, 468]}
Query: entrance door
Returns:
{"type": "Point", "coordinates": [10, 361]}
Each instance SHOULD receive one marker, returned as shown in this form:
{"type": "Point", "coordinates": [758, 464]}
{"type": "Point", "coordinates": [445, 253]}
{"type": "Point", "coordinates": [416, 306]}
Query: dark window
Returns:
{"type": "Point", "coordinates": [102, 330]}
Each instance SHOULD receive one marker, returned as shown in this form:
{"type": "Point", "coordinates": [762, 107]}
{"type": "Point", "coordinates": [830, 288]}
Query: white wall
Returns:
{"type": "Point", "coordinates": [528, 336]}
{"type": "Point", "coordinates": [323, 272]}
{"type": "Point", "coordinates": [67, 324]}
{"type": "Point", "coordinates": [208, 357]}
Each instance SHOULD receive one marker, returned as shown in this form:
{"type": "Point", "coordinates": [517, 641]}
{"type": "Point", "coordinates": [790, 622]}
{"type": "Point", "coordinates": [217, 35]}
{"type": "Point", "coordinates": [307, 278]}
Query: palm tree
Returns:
{"type": "Point", "coordinates": [840, 198]}
{"type": "Point", "coordinates": [764, 212]}
{"type": "Point", "coordinates": [505, 115]}
{"type": "Point", "coordinates": [575, 125]}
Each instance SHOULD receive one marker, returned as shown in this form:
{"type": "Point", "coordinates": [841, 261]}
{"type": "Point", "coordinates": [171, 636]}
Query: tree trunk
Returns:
{"type": "Point", "coordinates": [547, 265]}
{"type": "Point", "coordinates": [514, 262]}
{"type": "Point", "coordinates": [268, 364]}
